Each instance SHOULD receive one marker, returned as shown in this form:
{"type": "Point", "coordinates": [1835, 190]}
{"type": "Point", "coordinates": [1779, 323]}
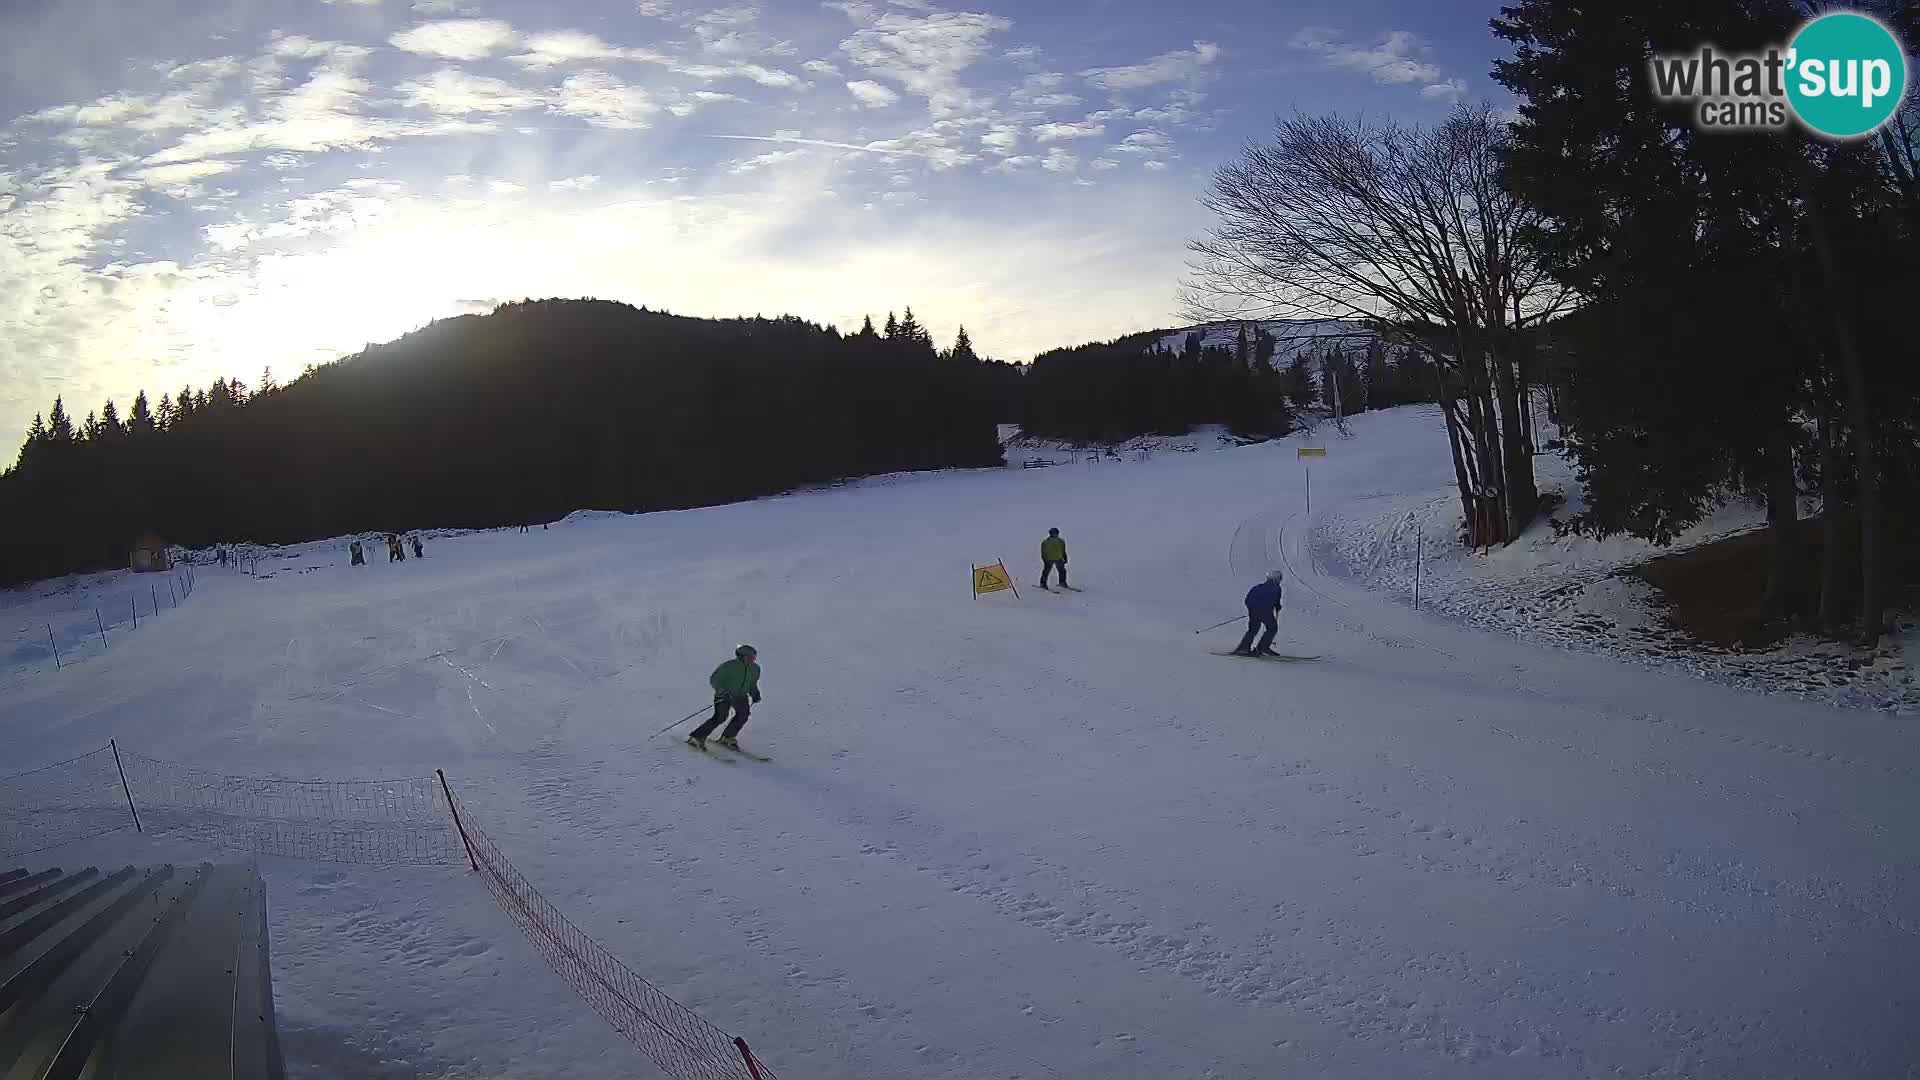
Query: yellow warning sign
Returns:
{"type": "Point", "coordinates": [1310, 451]}
{"type": "Point", "coordinates": [993, 578]}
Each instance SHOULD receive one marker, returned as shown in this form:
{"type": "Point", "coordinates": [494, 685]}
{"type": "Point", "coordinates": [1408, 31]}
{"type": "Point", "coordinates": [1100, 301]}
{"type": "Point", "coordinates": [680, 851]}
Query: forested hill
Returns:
{"type": "Point", "coordinates": [523, 414]}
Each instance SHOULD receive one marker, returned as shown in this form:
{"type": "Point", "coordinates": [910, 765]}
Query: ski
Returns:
{"type": "Point", "coordinates": [1282, 656]}
{"type": "Point", "coordinates": [713, 752]}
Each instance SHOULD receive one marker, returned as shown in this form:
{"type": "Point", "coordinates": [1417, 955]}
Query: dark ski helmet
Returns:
{"type": "Point", "coordinates": [745, 651]}
{"type": "Point", "coordinates": [1053, 532]}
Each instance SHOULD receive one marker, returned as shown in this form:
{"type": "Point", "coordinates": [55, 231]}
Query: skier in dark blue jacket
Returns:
{"type": "Point", "coordinates": [1263, 617]}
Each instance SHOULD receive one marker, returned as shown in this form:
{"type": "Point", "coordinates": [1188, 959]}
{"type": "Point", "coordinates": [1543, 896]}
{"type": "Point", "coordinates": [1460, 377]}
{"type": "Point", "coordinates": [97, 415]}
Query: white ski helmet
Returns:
{"type": "Point", "coordinates": [745, 651]}
{"type": "Point", "coordinates": [1276, 576]}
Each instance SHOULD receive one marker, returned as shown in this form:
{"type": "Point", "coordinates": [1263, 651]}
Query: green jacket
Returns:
{"type": "Point", "coordinates": [1053, 549]}
{"type": "Point", "coordinates": [735, 678]}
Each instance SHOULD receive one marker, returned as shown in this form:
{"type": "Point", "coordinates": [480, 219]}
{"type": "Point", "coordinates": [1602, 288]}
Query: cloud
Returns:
{"type": "Point", "coordinates": [1002, 139]}
{"type": "Point", "coordinates": [179, 180]}
{"type": "Point", "coordinates": [452, 92]}
{"type": "Point", "coordinates": [557, 47]}
{"type": "Point", "coordinates": [820, 67]}
{"type": "Point", "coordinates": [1180, 65]}
{"type": "Point", "coordinates": [771, 157]}
{"type": "Point", "coordinates": [1022, 54]}
{"type": "Point", "coordinates": [457, 39]}
{"type": "Point", "coordinates": [1156, 166]}
{"type": "Point", "coordinates": [872, 94]}
{"type": "Point", "coordinates": [575, 183]}
{"type": "Point", "coordinates": [1055, 132]}
{"type": "Point", "coordinates": [604, 101]}
{"type": "Point", "coordinates": [354, 3]}
{"type": "Point", "coordinates": [1060, 160]}
{"type": "Point", "coordinates": [1396, 60]}
{"type": "Point", "coordinates": [657, 9]}
{"type": "Point", "coordinates": [1102, 164]}
{"type": "Point", "coordinates": [925, 54]}
{"type": "Point", "coordinates": [768, 76]}
{"type": "Point", "coordinates": [443, 7]}
{"type": "Point", "coordinates": [1148, 141]}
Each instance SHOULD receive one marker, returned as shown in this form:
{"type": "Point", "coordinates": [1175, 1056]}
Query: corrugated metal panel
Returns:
{"type": "Point", "coordinates": [159, 972]}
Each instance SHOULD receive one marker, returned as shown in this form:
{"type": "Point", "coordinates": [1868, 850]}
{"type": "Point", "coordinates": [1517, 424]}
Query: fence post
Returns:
{"type": "Point", "coordinates": [170, 592]}
{"type": "Point", "coordinates": [746, 1055]}
{"type": "Point", "coordinates": [134, 603]}
{"type": "Point", "coordinates": [102, 624]}
{"type": "Point", "coordinates": [127, 791]}
{"type": "Point", "coordinates": [1418, 539]}
{"type": "Point", "coordinates": [153, 593]}
{"type": "Point", "coordinates": [451, 809]}
{"type": "Point", "coordinates": [56, 647]}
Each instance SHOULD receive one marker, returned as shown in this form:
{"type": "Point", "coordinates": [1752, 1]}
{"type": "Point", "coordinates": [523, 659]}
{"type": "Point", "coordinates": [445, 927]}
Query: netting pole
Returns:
{"type": "Point", "coordinates": [170, 592]}
{"type": "Point", "coordinates": [102, 624]}
{"type": "Point", "coordinates": [746, 1055]}
{"type": "Point", "coordinates": [56, 647]}
{"type": "Point", "coordinates": [124, 789]}
{"type": "Point", "coordinates": [153, 593]}
{"type": "Point", "coordinates": [1418, 538]}
{"type": "Point", "coordinates": [455, 811]}
{"type": "Point", "coordinates": [134, 603]}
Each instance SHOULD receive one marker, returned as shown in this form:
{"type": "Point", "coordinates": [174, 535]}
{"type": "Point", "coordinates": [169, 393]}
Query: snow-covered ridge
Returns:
{"type": "Point", "coordinates": [1291, 336]}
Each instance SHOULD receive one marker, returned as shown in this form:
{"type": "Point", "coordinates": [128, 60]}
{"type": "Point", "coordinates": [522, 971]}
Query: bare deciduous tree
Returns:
{"type": "Point", "coordinates": [1409, 229]}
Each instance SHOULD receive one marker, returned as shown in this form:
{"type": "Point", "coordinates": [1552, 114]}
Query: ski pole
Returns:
{"type": "Point", "coordinates": [1217, 625]}
{"type": "Point", "coordinates": [682, 720]}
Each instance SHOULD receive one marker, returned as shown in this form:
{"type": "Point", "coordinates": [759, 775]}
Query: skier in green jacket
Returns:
{"type": "Point", "coordinates": [736, 689]}
{"type": "Point", "coordinates": [1053, 556]}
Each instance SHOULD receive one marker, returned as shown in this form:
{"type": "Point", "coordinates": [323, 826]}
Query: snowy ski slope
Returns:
{"type": "Point", "coordinates": [1048, 836]}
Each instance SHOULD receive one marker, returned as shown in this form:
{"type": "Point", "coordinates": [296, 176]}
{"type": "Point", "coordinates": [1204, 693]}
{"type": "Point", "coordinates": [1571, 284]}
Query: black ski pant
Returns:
{"type": "Point", "coordinates": [1049, 566]}
{"type": "Point", "coordinates": [721, 706]}
{"type": "Point", "coordinates": [1264, 623]}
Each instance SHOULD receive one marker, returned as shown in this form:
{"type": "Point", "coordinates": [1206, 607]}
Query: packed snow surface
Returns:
{"type": "Point", "coordinates": [1044, 836]}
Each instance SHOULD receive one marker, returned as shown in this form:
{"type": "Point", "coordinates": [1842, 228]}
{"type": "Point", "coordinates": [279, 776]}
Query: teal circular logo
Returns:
{"type": "Point", "coordinates": [1846, 74]}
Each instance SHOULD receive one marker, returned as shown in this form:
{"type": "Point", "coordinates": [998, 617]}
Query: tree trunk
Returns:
{"type": "Point", "coordinates": [1522, 499]}
{"type": "Point", "coordinates": [1781, 597]}
{"type": "Point", "coordinates": [1873, 599]}
{"type": "Point", "coordinates": [1444, 395]}
{"type": "Point", "coordinates": [1824, 617]}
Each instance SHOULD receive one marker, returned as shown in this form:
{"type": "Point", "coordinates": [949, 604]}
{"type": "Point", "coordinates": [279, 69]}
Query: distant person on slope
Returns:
{"type": "Point", "coordinates": [359, 556]}
{"type": "Point", "coordinates": [1263, 617]}
{"type": "Point", "coordinates": [418, 552]}
{"type": "Point", "coordinates": [736, 688]}
{"type": "Point", "coordinates": [1053, 556]}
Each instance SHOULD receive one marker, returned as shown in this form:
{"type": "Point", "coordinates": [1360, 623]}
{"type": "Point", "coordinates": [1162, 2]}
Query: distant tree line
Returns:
{"type": "Point", "coordinates": [1112, 391]}
{"type": "Point", "coordinates": [524, 414]}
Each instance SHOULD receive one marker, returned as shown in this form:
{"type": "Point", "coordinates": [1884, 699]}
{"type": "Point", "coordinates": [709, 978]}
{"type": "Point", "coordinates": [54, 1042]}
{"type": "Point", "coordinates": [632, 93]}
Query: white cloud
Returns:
{"type": "Point", "coordinates": [457, 39]}
{"type": "Point", "coordinates": [443, 7]}
{"type": "Point", "coordinates": [505, 187]}
{"type": "Point", "coordinates": [1002, 139]}
{"type": "Point", "coordinates": [178, 180]}
{"type": "Point", "coordinates": [1060, 160]}
{"type": "Point", "coordinates": [604, 101]}
{"type": "Point", "coordinates": [657, 9]}
{"type": "Point", "coordinates": [925, 54]}
{"type": "Point", "coordinates": [354, 3]}
{"type": "Point", "coordinates": [1450, 90]}
{"type": "Point", "coordinates": [1180, 65]}
{"type": "Point", "coordinates": [1013, 164]}
{"type": "Point", "coordinates": [771, 157]}
{"type": "Point", "coordinates": [1023, 54]}
{"type": "Point", "coordinates": [1396, 60]}
{"type": "Point", "coordinates": [1055, 132]}
{"type": "Point", "coordinates": [575, 183]}
{"type": "Point", "coordinates": [1148, 141]}
{"type": "Point", "coordinates": [1103, 164]}
{"type": "Point", "coordinates": [452, 92]}
{"type": "Point", "coordinates": [768, 76]}
{"type": "Point", "coordinates": [557, 47]}
{"type": "Point", "coordinates": [872, 94]}
{"type": "Point", "coordinates": [820, 67]}
{"type": "Point", "coordinates": [1156, 166]}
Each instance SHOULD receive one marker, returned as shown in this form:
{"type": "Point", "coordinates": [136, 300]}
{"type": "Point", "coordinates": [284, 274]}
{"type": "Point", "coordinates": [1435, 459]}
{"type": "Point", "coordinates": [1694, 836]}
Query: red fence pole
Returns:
{"type": "Point", "coordinates": [746, 1055]}
{"type": "Point", "coordinates": [451, 809]}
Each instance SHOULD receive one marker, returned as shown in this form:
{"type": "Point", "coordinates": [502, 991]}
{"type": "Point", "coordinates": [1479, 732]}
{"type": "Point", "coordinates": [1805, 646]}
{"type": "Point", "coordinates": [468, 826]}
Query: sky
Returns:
{"type": "Point", "coordinates": [192, 189]}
